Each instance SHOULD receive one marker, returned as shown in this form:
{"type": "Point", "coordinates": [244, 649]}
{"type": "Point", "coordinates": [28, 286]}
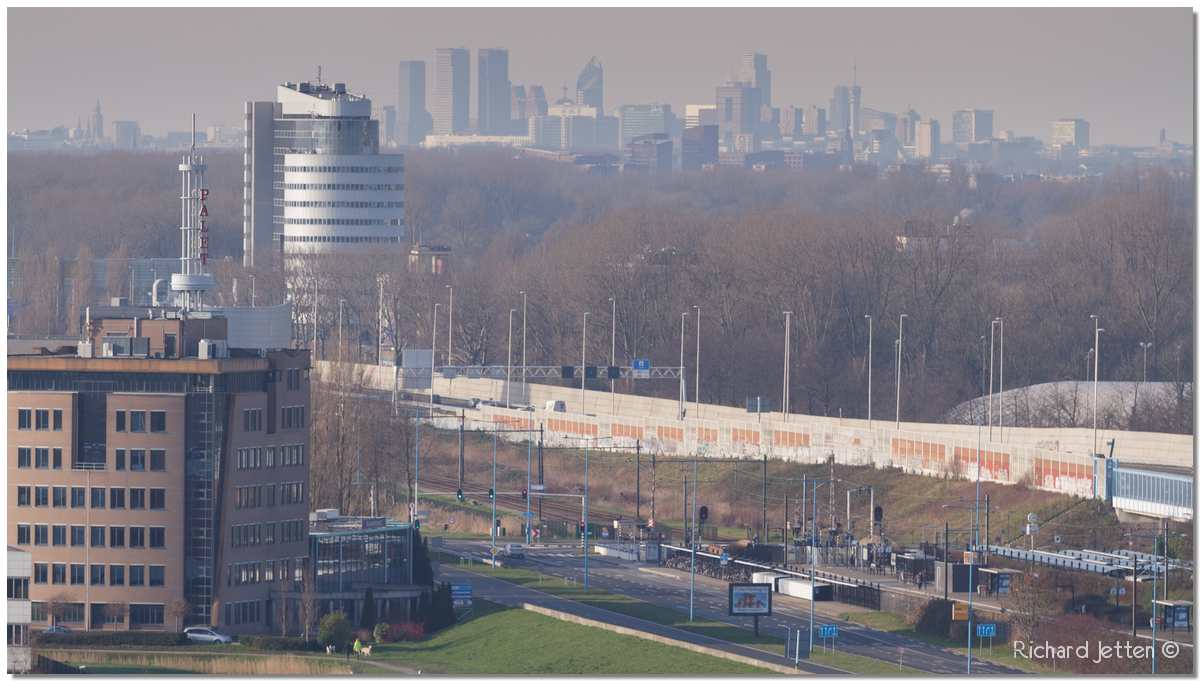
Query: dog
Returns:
{"type": "Point", "coordinates": [366, 651]}
{"type": "Point", "coordinates": [330, 649]}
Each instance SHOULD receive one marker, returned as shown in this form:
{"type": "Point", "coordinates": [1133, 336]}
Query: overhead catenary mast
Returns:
{"type": "Point", "coordinates": [193, 279]}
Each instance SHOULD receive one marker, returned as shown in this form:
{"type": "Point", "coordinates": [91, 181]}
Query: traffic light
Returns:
{"type": "Point", "coordinates": [491, 493]}
{"type": "Point", "coordinates": [878, 514]}
{"type": "Point", "coordinates": [460, 495]}
{"type": "Point", "coordinates": [703, 513]}
{"type": "Point", "coordinates": [524, 494]}
{"type": "Point", "coordinates": [417, 524]}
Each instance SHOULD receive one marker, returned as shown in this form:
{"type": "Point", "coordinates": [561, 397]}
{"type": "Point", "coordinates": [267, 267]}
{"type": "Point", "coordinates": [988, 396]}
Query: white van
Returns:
{"type": "Point", "coordinates": [556, 405]}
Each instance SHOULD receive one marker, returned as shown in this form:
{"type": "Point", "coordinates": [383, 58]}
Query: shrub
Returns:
{"type": "Point", "coordinates": [279, 643]}
{"type": "Point", "coordinates": [381, 632]}
{"type": "Point", "coordinates": [115, 639]}
{"type": "Point", "coordinates": [406, 631]}
{"type": "Point", "coordinates": [334, 629]}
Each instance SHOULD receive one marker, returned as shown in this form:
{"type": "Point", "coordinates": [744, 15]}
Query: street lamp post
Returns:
{"type": "Point", "coordinates": [341, 307]}
{"type": "Point", "coordinates": [870, 358]}
{"type": "Point", "coordinates": [1096, 386]}
{"type": "Point", "coordinates": [524, 357]}
{"type": "Point", "coordinates": [899, 366]}
{"type": "Point", "coordinates": [787, 363]}
{"type": "Point", "coordinates": [1001, 320]}
{"type": "Point", "coordinates": [692, 543]}
{"type": "Point", "coordinates": [433, 357]}
{"type": "Point", "coordinates": [682, 336]}
{"type": "Point", "coordinates": [612, 360]}
{"type": "Point", "coordinates": [493, 532]}
{"type": "Point", "coordinates": [1145, 356]}
{"type": "Point", "coordinates": [508, 375]}
{"type": "Point", "coordinates": [583, 370]}
{"type": "Point", "coordinates": [697, 309]}
{"type": "Point", "coordinates": [379, 331]}
{"type": "Point", "coordinates": [586, 548]}
{"type": "Point", "coordinates": [450, 333]}
{"type": "Point", "coordinates": [991, 374]}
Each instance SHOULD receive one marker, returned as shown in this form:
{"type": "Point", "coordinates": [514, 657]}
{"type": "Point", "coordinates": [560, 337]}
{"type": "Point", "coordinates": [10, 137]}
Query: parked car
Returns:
{"type": "Point", "coordinates": [57, 629]}
{"type": "Point", "coordinates": [206, 635]}
{"type": "Point", "coordinates": [514, 552]}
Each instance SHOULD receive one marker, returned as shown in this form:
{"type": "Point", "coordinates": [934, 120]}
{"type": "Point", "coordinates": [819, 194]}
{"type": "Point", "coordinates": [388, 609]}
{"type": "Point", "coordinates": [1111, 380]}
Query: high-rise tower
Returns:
{"type": "Point", "coordinates": [451, 90]}
{"type": "Point", "coordinates": [589, 87]}
{"type": "Point", "coordinates": [412, 118]}
{"type": "Point", "coordinates": [495, 92]}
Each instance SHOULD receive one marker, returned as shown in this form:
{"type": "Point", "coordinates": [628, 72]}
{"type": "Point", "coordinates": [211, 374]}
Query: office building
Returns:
{"type": "Point", "coordinates": [695, 115]}
{"type": "Point", "coordinates": [972, 125]}
{"type": "Point", "coordinates": [873, 119]}
{"type": "Point", "coordinates": [20, 573]}
{"type": "Point", "coordinates": [814, 121]}
{"type": "Point", "coordinates": [96, 124]}
{"type": "Point", "coordinates": [389, 125]}
{"type": "Point", "coordinates": [637, 120]}
{"type": "Point", "coordinates": [755, 71]}
{"type": "Point", "coordinates": [906, 128]}
{"type": "Point", "coordinates": [791, 121]}
{"type": "Point", "coordinates": [698, 147]}
{"type": "Point", "coordinates": [413, 121]}
{"type": "Point", "coordinates": [495, 92]}
{"type": "Point", "coordinates": [125, 135]}
{"type": "Point", "coordinates": [738, 111]}
{"type": "Point", "coordinates": [928, 139]}
{"type": "Point", "coordinates": [589, 87]}
{"type": "Point", "coordinates": [649, 153]}
{"type": "Point", "coordinates": [839, 109]}
{"type": "Point", "coordinates": [316, 183]}
{"type": "Point", "coordinates": [451, 90]}
{"type": "Point", "coordinates": [855, 109]}
{"type": "Point", "coordinates": [1073, 131]}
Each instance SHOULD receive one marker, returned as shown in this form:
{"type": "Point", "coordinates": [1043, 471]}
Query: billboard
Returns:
{"type": "Point", "coordinates": [750, 599]}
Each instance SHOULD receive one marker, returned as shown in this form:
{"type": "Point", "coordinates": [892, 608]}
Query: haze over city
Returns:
{"type": "Point", "coordinates": [1128, 72]}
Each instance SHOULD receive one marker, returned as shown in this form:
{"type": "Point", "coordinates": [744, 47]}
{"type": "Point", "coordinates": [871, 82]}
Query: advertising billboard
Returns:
{"type": "Point", "coordinates": [750, 599]}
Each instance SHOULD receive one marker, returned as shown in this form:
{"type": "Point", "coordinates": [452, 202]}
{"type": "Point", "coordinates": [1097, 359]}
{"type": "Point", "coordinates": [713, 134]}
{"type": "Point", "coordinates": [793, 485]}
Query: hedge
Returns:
{"type": "Point", "coordinates": [111, 639]}
{"type": "Point", "coordinates": [279, 643]}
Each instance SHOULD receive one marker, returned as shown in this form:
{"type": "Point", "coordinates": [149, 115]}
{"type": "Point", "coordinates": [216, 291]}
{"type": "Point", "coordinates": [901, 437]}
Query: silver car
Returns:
{"type": "Point", "coordinates": [206, 635]}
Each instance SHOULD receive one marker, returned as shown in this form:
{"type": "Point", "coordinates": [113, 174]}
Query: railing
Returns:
{"type": "Point", "coordinates": [88, 465]}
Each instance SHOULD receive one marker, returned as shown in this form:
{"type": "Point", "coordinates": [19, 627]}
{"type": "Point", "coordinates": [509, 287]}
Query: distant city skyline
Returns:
{"type": "Point", "coordinates": [1129, 73]}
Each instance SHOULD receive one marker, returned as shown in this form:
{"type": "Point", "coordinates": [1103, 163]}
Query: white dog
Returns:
{"type": "Point", "coordinates": [366, 650]}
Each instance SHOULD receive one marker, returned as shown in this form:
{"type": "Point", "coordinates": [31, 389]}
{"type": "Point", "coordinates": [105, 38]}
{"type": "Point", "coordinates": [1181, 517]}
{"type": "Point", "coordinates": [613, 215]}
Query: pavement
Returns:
{"type": "Point", "coordinates": [670, 588]}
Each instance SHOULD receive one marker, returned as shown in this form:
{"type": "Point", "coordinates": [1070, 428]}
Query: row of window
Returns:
{"type": "Point", "coordinates": [346, 222]}
{"type": "Point", "coordinates": [40, 457]}
{"type": "Point", "coordinates": [136, 421]}
{"type": "Point", "coordinates": [256, 496]}
{"type": "Point", "coordinates": [341, 239]}
{"type": "Point", "coordinates": [264, 572]}
{"type": "Point", "coordinates": [101, 497]}
{"type": "Point", "coordinates": [341, 186]}
{"type": "Point", "coordinates": [100, 575]}
{"type": "Point", "coordinates": [115, 535]}
{"type": "Point", "coordinates": [252, 420]}
{"type": "Point", "coordinates": [343, 204]}
{"type": "Point", "coordinates": [52, 458]}
{"type": "Point", "coordinates": [39, 419]}
{"type": "Point", "coordinates": [242, 612]}
{"type": "Point", "coordinates": [140, 614]}
{"type": "Point", "coordinates": [294, 379]}
{"type": "Point", "coordinates": [293, 417]}
{"type": "Point", "coordinates": [250, 458]}
{"type": "Point", "coordinates": [343, 169]}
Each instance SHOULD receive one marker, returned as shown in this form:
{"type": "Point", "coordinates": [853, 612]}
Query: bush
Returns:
{"type": "Point", "coordinates": [381, 632]}
{"type": "Point", "coordinates": [334, 629]}
{"type": "Point", "coordinates": [279, 643]}
{"type": "Point", "coordinates": [405, 631]}
{"type": "Point", "coordinates": [101, 639]}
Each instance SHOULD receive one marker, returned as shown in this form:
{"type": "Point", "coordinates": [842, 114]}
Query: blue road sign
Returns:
{"type": "Point", "coordinates": [641, 368]}
{"type": "Point", "coordinates": [985, 630]}
{"type": "Point", "coordinates": [460, 592]}
{"type": "Point", "coordinates": [829, 631]}
{"type": "Point", "coordinates": [724, 558]}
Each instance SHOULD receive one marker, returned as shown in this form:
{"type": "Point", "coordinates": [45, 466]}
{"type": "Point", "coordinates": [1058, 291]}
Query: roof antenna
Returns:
{"type": "Point", "coordinates": [318, 74]}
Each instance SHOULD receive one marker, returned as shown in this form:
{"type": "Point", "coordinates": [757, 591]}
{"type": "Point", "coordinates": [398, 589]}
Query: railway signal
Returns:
{"type": "Point", "coordinates": [461, 496]}
{"type": "Point", "coordinates": [491, 493]}
{"type": "Point", "coordinates": [524, 494]}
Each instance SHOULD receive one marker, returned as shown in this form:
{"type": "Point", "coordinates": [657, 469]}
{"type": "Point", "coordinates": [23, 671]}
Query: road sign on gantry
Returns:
{"type": "Point", "coordinates": [641, 368]}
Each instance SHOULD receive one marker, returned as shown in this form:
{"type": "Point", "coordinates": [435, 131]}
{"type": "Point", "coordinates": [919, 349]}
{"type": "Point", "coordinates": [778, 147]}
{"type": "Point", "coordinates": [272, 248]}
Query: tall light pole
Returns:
{"type": "Point", "coordinates": [450, 343]}
{"type": "Point", "coordinates": [787, 363]}
{"type": "Point", "coordinates": [692, 543]}
{"type": "Point", "coordinates": [612, 361]}
{"type": "Point", "coordinates": [991, 374]}
{"type": "Point", "coordinates": [493, 532]}
{"type": "Point", "coordinates": [508, 376]}
{"type": "Point", "coordinates": [1001, 320]}
{"type": "Point", "coordinates": [586, 451]}
{"type": "Point", "coordinates": [252, 302]}
{"type": "Point", "coordinates": [682, 336]}
{"type": "Point", "coordinates": [433, 357]}
{"type": "Point", "coordinates": [1096, 385]}
{"type": "Point", "coordinates": [524, 357]}
{"type": "Point", "coordinates": [870, 358]}
{"type": "Point", "coordinates": [1145, 355]}
{"type": "Point", "coordinates": [583, 377]}
{"type": "Point", "coordinates": [379, 332]}
{"type": "Point", "coordinates": [341, 306]}
{"type": "Point", "coordinates": [899, 366]}
{"type": "Point", "coordinates": [697, 309]}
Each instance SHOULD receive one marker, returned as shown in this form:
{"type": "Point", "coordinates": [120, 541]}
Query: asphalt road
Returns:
{"type": "Point", "coordinates": [670, 588]}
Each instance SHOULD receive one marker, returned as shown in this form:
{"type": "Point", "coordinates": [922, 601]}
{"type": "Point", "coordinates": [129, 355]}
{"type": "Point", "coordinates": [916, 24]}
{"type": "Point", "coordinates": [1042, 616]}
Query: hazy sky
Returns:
{"type": "Point", "coordinates": [1129, 72]}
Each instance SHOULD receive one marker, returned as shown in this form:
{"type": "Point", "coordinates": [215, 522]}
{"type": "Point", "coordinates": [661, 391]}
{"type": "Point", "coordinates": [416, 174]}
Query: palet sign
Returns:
{"type": "Point", "coordinates": [749, 599]}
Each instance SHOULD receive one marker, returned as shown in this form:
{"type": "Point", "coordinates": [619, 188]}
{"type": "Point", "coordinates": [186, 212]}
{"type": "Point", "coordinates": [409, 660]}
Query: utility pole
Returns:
{"type": "Point", "coordinates": [697, 308]}
{"type": "Point", "coordinates": [541, 469]}
{"type": "Point", "coordinates": [462, 460]}
{"type": "Point", "coordinates": [787, 364]}
{"type": "Point", "coordinates": [524, 357]}
{"type": "Point", "coordinates": [1096, 386]}
{"type": "Point", "coordinates": [682, 387]}
{"type": "Point", "coordinates": [991, 375]}
{"type": "Point", "coordinates": [987, 522]}
{"type": "Point", "coordinates": [765, 536]}
{"type": "Point", "coordinates": [450, 344]}
{"type": "Point", "coordinates": [695, 540]}
{"type": "Point", "coordinates": [638, 476]}
{"type": "Point", "coordinates": [870, 359]}
{"type": "Point", "coordinates": [653, 482]}
{"type": "Point", "coordinates": [946, 563]}
{"type": "Point", "coordinates": [583, 369]}
{"type": "Point", "coordinates": [1001, 319]}
{"type": "Point", "coordinates": [1133, 599]}
{"type": "Point", "coordinates": [612, 361]}
{"type": "Point", "coordinates": [508, 375]}
{"type": "Point", "coordinates": [899, 367]}
{"type": "Point", "coordinates": [686, 536]}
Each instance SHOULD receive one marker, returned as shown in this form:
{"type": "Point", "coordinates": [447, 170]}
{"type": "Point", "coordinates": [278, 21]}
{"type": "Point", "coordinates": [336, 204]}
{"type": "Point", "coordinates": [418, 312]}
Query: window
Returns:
{"type": "Point", "coordinates": [97, 497]}
{"type": "Point", "coordinates": [78, 497]}
{"type": "Point", "coordinates": [158, 538]}
{"type": "Point", "coordinates": [116, 497]}
{"type": "Point", "coordinates": [97, 576]}
{"type": "Point", "coordinates": [58, 419]}
{"type": "Point", "coordinates": [120, 421]}
{"type": "Point", "coordinates": [58, 535]}
{"type": "Point", "coordinates": [269, 493]}
{"type": "Point", "coordinates": [60, 497]}
{"type": "Point", "coordinates": [158, 575]}
{"type": "Point", "coordinates": [293, 417]}
{"type": "Point", "coordinates": [268, 533]}
{"type": "Point", "coordinates": [116, 537]}
{"type": "Point", "coordinates": [158, 422]}
{"type": "Point", "coordinates": [22, 495]}
{"type": "Point", "coordinates": [24, 419]}
{"type": "Point", "coordinates": [41, 457]}
{"type": "Point", "coordinates": [251, 420]}
{"type": "Point", "coordinates": [78, 573]}
{"type": "Point", "coordinates": [158, 499]}
{"type": "Point", "coordinates": [41, 496]}
{"type": "Point", "coordinates": [37, 611]}
{"type": "Point", "coordinates": [72, 612]}
{"type": "Point", "coordinates": [116, 575]}
{"type": "Point", "coordinates": [24, 457]}
{"type": "Point", "coordinates": [119, 463]}
{"type": "Point", "coordinates": [41, 419]}
{"type": "Point", "coordinates": [18, 588]}
{"type": "Point", "coordinates": [57, 459]}
{"type": "Point", "coordinates": [137, 539]}
{"type": "Point", "coordinates": [58, 573]}
{"type": "Point", "coordinates": [41, 573]}
{"type": "Point", "coordinates": [137, 576]}
{"type": "Point", "coordinates": [137, 421]}
{"type": "Point", "coordinates": [97, 536]}
{"type": "Point", "coordinates": [292, 455]}
{"type": "Point", "coordinates": [158, 460]}
{"type": "Point", "coordinates": [145, 615]}
{"type": "Point", "coordinates": [41, 534]}
{"type": "Point", "coordinates": [291, 493]}
{"type": "Point", "coordinates": [269, 457]}
{"type": "Point", "coordinates": [137, 459]}
{"type": "Point", "coordinates": [78, 534]}
{"type": "Point", "coordinates": [137, 498]}
{"type": "Point", "coordinates": [22, 535]}
{"type": "Point", "coordinates": [293, 379]}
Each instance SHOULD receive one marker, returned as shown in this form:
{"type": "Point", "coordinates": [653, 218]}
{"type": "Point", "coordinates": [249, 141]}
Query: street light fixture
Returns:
{"type": "Point", "coordinates": [1145, 355]}
{"type": "Point", "coordinates": [899, 366]}
{"type": "Point", "coordinates": [870, 359]}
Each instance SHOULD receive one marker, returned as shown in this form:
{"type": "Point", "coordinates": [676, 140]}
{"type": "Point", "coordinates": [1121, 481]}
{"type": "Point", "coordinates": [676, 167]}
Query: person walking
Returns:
{"type": "Point", "coordinates": [357, 646]}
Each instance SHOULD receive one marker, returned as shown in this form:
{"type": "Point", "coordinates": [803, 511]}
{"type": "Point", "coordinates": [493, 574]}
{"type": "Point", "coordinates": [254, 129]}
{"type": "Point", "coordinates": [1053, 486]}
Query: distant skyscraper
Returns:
{"type": "Point", "coordinates": [97, 123]}
{"type": "Point", "coordinates": [589, 87]}
{"type": "Point", "coordinates": [412, 118]}
{"type": "Point", "coordinates": [389, 125]}
{"type": "Point", "coordinates": [652, 153]}
{"type": "Point", "coordinates": [791, 121]}
{"type": "Point", "coordinates": [906, 127]}
{"type": "Point", "coordinates": [755, 71]}
{"type": "Point", "coordinates": [814, 121]}
{"type": "Point", "coordinates": [839, 109]}
{"type": "Point", "coordinates": [972, 125]}
{"type": "Point", "coordinates": [856, 121]}
{"type": "Point", "coordinates": [699, 147]}
{"type": "Point", "coordinates": [1073, 131]}
{"type": "Point", "coordinates": [495, 92]}
{"type": "Point", "coordinates": [738, 111]}
{"type": "Point", "coordinates": [695, 115]}
{"type": "Point", "coordinates": [643, 119]}
{"type": "Point", "coordinates": [928, 139]}
{"type": "Point", "coordinates": [125, 135]}
{"type": "Point", "coordinates": [451, 90]}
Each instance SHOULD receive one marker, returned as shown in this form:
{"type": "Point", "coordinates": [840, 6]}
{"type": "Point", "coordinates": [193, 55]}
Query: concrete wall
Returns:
{"type": "Point", "coordinates": [1052, 459]}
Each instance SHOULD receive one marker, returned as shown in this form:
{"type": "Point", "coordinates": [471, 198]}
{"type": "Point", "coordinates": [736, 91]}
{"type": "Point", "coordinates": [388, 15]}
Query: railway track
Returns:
{"type": "Point", "coordinates": [553, 508]}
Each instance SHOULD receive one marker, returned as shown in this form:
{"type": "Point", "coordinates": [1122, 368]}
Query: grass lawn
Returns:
{"type": "Point", "coordinates": [1000, 654]}
{"type": "Point", "coordinates": [627, 605]}
{"type": "Point", "coordinates": [119, 670]}
{"type": "Point", "coordinates": [858, 664]}
{"type": "Point", "coordinates": [497, 640]}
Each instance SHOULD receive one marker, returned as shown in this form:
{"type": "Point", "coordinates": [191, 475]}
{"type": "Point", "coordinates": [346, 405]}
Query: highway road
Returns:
{"type": "Point", "coordinates": [669, 588]}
